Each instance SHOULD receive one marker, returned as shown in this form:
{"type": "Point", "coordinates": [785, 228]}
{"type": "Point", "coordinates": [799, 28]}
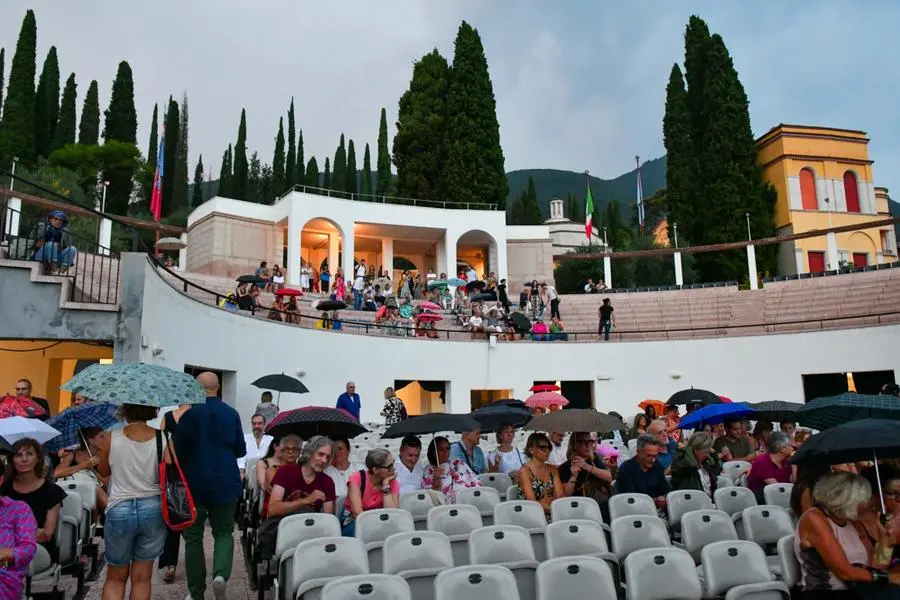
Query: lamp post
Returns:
{"type": "Point", "coordinates": [675, 231]}
{"type": "Point", "coordinates": [12, 178]}
{"type": "Point", "coordinates": [103, 200]}
{"type": "Point", "coordinates": [605, 242]}
{"type": "Point", "coordinates": [749, 235]}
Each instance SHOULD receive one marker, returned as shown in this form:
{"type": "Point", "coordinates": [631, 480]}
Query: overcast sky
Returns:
{"type": "Point", "coordinates": [579, 84]}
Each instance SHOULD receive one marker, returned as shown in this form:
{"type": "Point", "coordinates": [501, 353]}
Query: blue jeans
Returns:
{"type": "Point", "coordinates": [134, 530]}
{"type": "Point", "coordinates": [605, 326]}
{"type": "Point", "coordinates": [51, 253]}
{"type": "Point", "coordinates": [357, 300]}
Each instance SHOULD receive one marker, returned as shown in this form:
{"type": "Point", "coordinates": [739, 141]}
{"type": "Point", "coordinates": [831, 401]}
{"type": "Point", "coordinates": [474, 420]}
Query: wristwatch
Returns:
{"type": "Point", "coordinates": [385, 490]}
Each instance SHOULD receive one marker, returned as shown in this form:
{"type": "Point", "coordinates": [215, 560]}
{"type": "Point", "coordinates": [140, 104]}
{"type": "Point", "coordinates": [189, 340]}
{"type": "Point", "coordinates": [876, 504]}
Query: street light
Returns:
{"type": "Point", "coordinates": [12, 178]}
{"type": "Point", "coordinates": [605, 242]}
{"type": "Point", "coordinates": [675, 231]}
{"type": "Point", "coordinates": [749, 235]}
{"type": "Point", "coordinates": [103, 201]}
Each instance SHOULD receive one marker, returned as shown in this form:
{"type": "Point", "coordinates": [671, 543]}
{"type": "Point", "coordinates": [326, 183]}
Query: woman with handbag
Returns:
{"type": "Point", "coordinates": [168, 560]}
{"type": "Point", "coordinates": [135, 532]}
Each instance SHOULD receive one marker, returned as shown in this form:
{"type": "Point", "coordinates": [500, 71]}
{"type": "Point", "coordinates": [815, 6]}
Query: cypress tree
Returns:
{"type": "Point", "coordinates": [89, 126]}
{"type": "Point", "coordinates": [351, 168]}
{"type": "Point", "coordinates": [17, 127]}
{"type": "Point", "coordinates": [474, 168]}
{"type": "Point", "coordinates": [170, 152]}
{"type": "Point", "coordinates": [46, 104]}
{"type": "Point", "coordinates": [680, 207]}
{"type": "Point", "coordinates": [149, 171]}
{"type": "Point", "coordinates": [365, 188]}
{"type": "Point", "coordinates": [312, 173]}
{"type": "Point", "coordinates": [278, 180]}
{"type": "Point", "coordinates": [242, 189]}
{"type": "Point", "coordinates": [339, 167]}
{"type": "Point", "coordinates": [300, 175]}
{"type": "Point", "coordinates": [290, 167]}
{"type": "Point", "coordinates": [121, 117]}
{"type": "Point", "coordinates": [420, 145]}
{"type": "Point", "coordinates": [614, 228]}
{"type": "Point", "coordinates": [254, 179]}
{"type": "Point", "coordinates": [266, 192]}
{"type": "Point", "coordinates": [225, 174]}
{"type": "Point", "coordinates": [180, 198]}
{"type": "Point", "coordinates": [197, 191]}
{"type": "Point", "coordinates": [65, 128]}
{"type": "Point", "coordinates": [326, 179]}
{"type": "Point", "coordinates": [383, 179]}
{"type": "Point", "coordinates": [2, 74]}
{"type": "Point", "coordinates": [532, 213]}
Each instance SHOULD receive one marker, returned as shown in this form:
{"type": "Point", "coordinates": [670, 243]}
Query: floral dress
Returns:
{"type": "Point", "coordinates": [455, 475]}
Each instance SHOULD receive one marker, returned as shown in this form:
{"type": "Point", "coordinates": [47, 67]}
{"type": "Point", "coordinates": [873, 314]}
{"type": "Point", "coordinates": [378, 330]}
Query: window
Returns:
{"type": "Point", "coordinates": [851, 192]}
{"type": "Point", "coordinates": [808, 198]}
{"type": "Point", "coordinates": [860, 260]}
{"type": "Point", "coordinates": [816, 261]}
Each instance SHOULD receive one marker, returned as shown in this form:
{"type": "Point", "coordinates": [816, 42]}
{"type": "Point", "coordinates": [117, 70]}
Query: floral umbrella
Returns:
{"type": "Point", "coordinates": [135, 383]}
{"type": "Point", "coordinates": [20, 406]}
{"type": "Point", "coordinates": [546, 400]}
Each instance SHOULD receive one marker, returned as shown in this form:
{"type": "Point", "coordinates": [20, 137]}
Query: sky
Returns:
{"type": "Point", "coordinates": [580, 84]}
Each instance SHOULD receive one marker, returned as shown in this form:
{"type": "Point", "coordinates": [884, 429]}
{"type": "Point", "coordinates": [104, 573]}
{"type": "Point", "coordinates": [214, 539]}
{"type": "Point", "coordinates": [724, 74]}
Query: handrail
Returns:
{"type": "Point", "coordinates": [383, 199]}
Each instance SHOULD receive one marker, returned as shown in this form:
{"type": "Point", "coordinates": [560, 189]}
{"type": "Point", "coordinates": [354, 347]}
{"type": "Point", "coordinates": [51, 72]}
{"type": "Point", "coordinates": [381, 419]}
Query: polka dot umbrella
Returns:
{"type": "Point", "coordinates": [135, 383]}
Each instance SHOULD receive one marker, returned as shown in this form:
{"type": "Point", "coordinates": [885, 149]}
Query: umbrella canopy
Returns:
{"type": "Point", "coordinates": [713, 414]}
{"type": "Point", "coordinates": [281, 383]}
{"type": "Point", "coordinates": [5, 447]}
{"type": "Point", "coordinates": [436, 283]}
{"type": "Point", "coordinates": [658, 405]}
{"type": "Point", "coordinates": [546, 400]}
{"type": "Point", "coordinates": [456, 282]}
{"type": "Point", "coordinates": [327, 305]}
{"type": "Point", "coordinates": [544, 387]}
{"type": "Point", "coordinates": [858, 440]}
{"type": "Point", "coordinates": [496, 416]}
{"type": "Point", "coordinates": [20, 406]}
{"type": "Point", "coordinates": [70, 422]}
{"type": "Point", "coordinates": [775, 410]}
{"type": "Point", "coordinates": [170, 243]}
{"type": "Point", "coordinates": [288, 292]}
{"type": "Point", "coordinates": [520, 322]}
{"type": "Point", "coordinates": [511, 402]}
{"type": "Point", "coordinates": [432, 423]}
{"type": "Point", "coordinates": [431, 306]}
{"type": "Point", "coordinates": [484, 297]}
{"type": "Point", "coordinates": [136, 383]}
{"type": "Point", "coordinates": [315, 420]}
{"type": "Point", "coordinates": [475, 285]}
{"type": "Point", "coordinates": [13, 429]}
{"type": "Point", "coordinates": [824, 413]}
{"type": "Point", "coordinates": [576, 419]}
{"type": "Point", "coordinates": [431, 317]}
{"type": "Point", "coordinates": [250, 279]}
{"type": "Point", "coordinates": [693, 395]}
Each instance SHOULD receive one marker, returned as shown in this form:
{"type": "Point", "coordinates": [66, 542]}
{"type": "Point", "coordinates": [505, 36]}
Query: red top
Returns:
{"type": "Point", "coordinates": [290, 477]}
{"type": "Point", "coordinates": [763, 468]}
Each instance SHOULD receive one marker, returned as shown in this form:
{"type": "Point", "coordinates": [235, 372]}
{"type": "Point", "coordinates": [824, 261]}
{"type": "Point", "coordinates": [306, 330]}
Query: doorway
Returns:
{"type": "Point", "coordinates": [481, 398]}
{"type": "Point", "coordinates": [422, 397]}
{"type": "Point", "coordinates": [580, 394]}
{"type": "Point", "coordinates": [819, 385]}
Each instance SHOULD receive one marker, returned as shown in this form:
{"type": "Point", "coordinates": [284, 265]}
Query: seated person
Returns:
{"type": "Point", "coordinates": [229, 303]}
{"type": "Point", "coordinates": [445, 474]}
{"type": "Point", "coordinates": [696, 466]}
{"type": "Point", "coordinates": [506, 458]}
{"type": "Point", "coordinates": [285, 452]}
{"type": "Point", "coordinates": [584, 473]}
{"type": "Point", "coordinates": [467, 450]}
{"type": "Point", "coordinates": [374, 487]}
{"type": "Point", "coordinates": [407, 466]}
{"type": "Point", "coordinates": [244, 299]}
{"type": "Point", "coordinates": [53, 243]}
{"type": "Point", "coordinates": [772, 467]}
{"type": "Point", "coordinates": [557, 330]}
{"type": "Point", "coordinates": [642, 474]}
{"type": "Point", "coordinates": [540, 332]}
{"type": "Point", "coordinates": [18, 546]}
{"type": "Point", "coordinates": [341, 468]}
{"type": "Point", "coordinates": [304, 486]}
{"type": "Point", "coordinates": [734, 445]}
{"type": "Point", "coordinates": [540, 481]}
{"type": "Point", "coordinates": [88, 463]}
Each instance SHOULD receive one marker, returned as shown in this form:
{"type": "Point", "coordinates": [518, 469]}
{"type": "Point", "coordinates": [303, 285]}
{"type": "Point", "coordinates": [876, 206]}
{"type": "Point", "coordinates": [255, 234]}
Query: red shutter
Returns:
{"type": "Point", "coordinates": [860, 259]}
{"type": "Point", "coordinates": [851, 192]}
{"type": "Point", "coordinates": [816, 261]}
{"type": "Point", "coordinates": [808, 190]}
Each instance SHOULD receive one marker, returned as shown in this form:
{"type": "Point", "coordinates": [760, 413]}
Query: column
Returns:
{"type": "Point", "coordinates": [751, 267]}
{"type": "Point", "coordinates": [182, 255]}
{"type": "Point", "coordinates": [13, 212]}
{"type": "Point", "coordinates": [834, 261]}
{"type": "Point", "coordinates": [387, 256]}
{"type": "Point", "coordinates": [440, 257]}
{"type": "Point", "coordinates": [295, 234]}
{"type": "Point", "coordinates": [502, 268]}
{"type": "Point", "coordinates": [105, 241]}
{"type": "Point", "coordinates": [679, 277]}
{"type": "Point", "coordinates": [449, 265]}
{"type": "Point", "coordinates": [347, 263]}
{"type": "Point", "coordinates": [607, 271]}
{"type": "Point", "coordinates": [334, 253]}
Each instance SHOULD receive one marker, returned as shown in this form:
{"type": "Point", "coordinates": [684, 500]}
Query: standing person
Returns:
{"type": "Point", "coordinates": [607, 319]}
{"type": "Point", "coordinates": [349, 400]}
{"type": "Point", "coordinates": [266, 407]}
{"type": "Point", "coordinates": [135, 534]}
{"type": "Point", "coordinates": [168, 560]}
{"type": "Point", "coordinates": [17, 545]}
{"type": "Point", "coordinates": [394, 410]}
{"type": "Point", "coordinates": [503, 296]}
{"type": "Point", "coordinates": [209, 441]}
{"type": "Point", "coordinates": [552, 298]}
{"type": "Point", "coordinates": [256, 442]}
{"type": "Point", "coordinates": [325, 280]}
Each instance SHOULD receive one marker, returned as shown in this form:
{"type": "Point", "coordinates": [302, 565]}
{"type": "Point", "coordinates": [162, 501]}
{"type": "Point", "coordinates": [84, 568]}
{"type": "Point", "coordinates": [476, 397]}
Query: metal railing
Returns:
{"type": "Point", "coordinates": [397, 200]}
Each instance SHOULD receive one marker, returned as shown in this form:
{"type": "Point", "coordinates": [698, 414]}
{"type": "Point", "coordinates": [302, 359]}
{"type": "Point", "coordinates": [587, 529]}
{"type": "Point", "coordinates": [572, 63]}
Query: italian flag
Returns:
{"type": "Point", "coordinates": [588, 214]}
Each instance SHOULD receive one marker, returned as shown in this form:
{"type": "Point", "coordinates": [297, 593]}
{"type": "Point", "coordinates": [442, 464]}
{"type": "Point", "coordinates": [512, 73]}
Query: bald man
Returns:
{"type": "Point", "coordinates": [208, 442]}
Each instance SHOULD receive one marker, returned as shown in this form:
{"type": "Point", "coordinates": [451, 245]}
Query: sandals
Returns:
{"type": "Point", "coordinates": [169, 575]}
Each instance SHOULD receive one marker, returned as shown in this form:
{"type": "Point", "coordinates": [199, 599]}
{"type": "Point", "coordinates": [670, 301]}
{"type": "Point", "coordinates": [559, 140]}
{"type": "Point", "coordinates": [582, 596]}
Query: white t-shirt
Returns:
{"type": "Point", "coordinates": [409, 481]}
{"type": "Point", "coordinates": [557, 454]}
{"type": "Point", "coordinates": [551, 293]}
{"type": "Point", "coordinates": [340, 477]}
{"type": "Point", "coordinates": [254, 451]}
{"type": "Point", "coordinates": [134, 468]}
{"type": "Point", "coordinates": [359, 284]}
{"type": "Point", "coordinates": [361, 270]}
{"type": "Point", "coordinates": [510, 462]}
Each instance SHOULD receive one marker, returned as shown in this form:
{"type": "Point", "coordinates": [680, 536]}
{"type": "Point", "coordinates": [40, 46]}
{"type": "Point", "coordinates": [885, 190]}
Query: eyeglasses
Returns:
{"type": "Point", "coordinates": [389, 467]}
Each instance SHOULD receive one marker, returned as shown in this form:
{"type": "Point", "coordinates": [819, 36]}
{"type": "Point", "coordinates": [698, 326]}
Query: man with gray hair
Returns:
{"type": "Point", "coordinates": [772, 467]}
{"type": "Point", "coordinates": [642, 474]}
{"type": "Point", "coordinates": [304, 486]}
{"type": "Point", "coordinates": [659, 429]}
{"type": "Point", "coordinates": [349, 400]}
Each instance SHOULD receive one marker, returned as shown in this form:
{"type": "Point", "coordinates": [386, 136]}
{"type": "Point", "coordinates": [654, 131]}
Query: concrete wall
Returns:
{"type": "Point", "coordinates": [185, 331]}
{"type": "Point", "coordinates": [228, 245]}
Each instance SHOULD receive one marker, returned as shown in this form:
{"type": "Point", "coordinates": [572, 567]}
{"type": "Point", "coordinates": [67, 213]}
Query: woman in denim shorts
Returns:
{"type": "Point", "coordinates": [135, 532]}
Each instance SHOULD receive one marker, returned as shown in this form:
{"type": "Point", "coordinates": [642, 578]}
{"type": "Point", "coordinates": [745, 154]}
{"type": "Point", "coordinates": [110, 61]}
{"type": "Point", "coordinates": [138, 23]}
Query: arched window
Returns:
{"type": "Point", "coordinates": [851, 192]}
{"type": "Point", "coordinates": [808, 190]}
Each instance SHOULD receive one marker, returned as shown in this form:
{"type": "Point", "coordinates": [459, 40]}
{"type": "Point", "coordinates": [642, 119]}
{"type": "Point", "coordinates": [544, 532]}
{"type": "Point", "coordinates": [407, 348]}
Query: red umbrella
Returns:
{"type": "Point", "coordinates": [724, 399]}
{"type": "Point", "coordinates": [288, 292]}
{"type": "Point", "coordinates": [20, 406]}
{"type": "Point", "coordinates": [429, 317]}
{"type": "Point", "coordinates": [546, 400]}
{"type": "Point", "coordinates": [431, 306]}
{"type": "Point", "coordinates": [544, 387]}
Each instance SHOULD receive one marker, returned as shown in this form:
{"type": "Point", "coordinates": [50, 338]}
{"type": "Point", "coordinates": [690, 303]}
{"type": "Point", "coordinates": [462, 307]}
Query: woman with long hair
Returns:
{"type": "Point", "coordinates": [285, 452]}
{"type": "Point", "coordinates": [539, 480]}
{"type": "Point", "coordinates": [506, 458]}
{"type": "Point", "coordinates": [639, 427]}
{"type": "Point", "coordinates": [168, 560]}
{"type": "Point", "coordinates": [444, 474]}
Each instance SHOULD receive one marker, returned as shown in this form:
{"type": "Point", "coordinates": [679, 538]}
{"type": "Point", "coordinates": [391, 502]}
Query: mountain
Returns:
{"type": "Point", "coordinates": [551, 183]}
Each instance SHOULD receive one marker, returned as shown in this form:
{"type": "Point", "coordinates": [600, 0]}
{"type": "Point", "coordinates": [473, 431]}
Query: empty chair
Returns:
{"type": "Point", "coordinates": [367, 587]}
{"type": "Point", "coordinates": [499, 481]}
{"type": "Point", "coordinates": [418, 504]}
{"type": "Point", "coordinates": [513, 493]}
{"type": "Point", "coordinates": [680, 502]}
{"type": "Point", "coordinates": [576, 507]}
{"type": "Point", "coordinates": [579, 537]}
{"type": "Point", "coordinates": [735, 469]}
{"type": "Point", "coordinates": [292, 530]}
{"type": "Point", "coordinates": [69, 536]}
{"type": "Point", "coordinates": [631, 504]}
{"type": "Point", "coordinates": [509, 546]}
{"type": "Point", "coordinates": [778, 494]}
{"type": "Point", "coordinates": [702, 527]}
{"type": "Point", "coordinates": [790, 566]}
{"type": "Point", "coordinates": [484, 498]}
{"type": "Point", "coordinates": [723, 481]}
{"type": "Point", "coordinates": [634, 532]}
{"type": "Point", "coordinates": [529, 515]}
{"type": "Point", "coordinates": [765, 525]}
{"type": "Point", "coordinates": [575, 577]}
{"type": "Point", "coordinates": [374, 526]}
{"type": "Point", "coordinates": [661, 574]}
{"type": "Point", "coordinates": [456, 522]}
{"type": "Point", "coordinates": [734, 500]}
{"type": "Point", "coordinates": [739, 568]}
{"type": "Point", "coordinates": [418, 557]}
{"type": "Point", "coordinates": [42, 569]}
{"type": "Point", "coordinates": [476, 582]}
{"type": "Point", "coordinates": [322, 560]}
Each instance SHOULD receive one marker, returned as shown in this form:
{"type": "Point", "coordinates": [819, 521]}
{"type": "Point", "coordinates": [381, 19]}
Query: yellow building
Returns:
{"type": "Point", "coordinates": [824, 179]}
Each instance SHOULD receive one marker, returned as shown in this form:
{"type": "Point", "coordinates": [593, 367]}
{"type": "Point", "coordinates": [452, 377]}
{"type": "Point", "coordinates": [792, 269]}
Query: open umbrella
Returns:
{"type": "Point", "coordinates": [279, 382]}
{"type": "Point", "coordinates": [546, 400]}
{"type": "Point", "coordinates": [495, 416]}
{"type": "Point", "coordinates": [327, 305]}
{"type": "Point", "coordinates": [288, 292]}
{"type": "Point", "coordinates": [250, 279]}
{"type": "Point", "coordinates": [658, 406]}
{"type": "Point", "coordinates": [850, 442]}
{"type": "Point", "coordinates": [432, 423]}
{"type": "Point", "coordinates": [13, 429]}
{"type": "Point", "coordinates": [431, 306]}
{"type": "Point", "coordinates": [429, 317]}
{"type": "Point", "coordinates": [484, 297]}
{"type": "Point", "coordinates": [510, 402]}
{"type": "Point", "coordinates": [520, 322]}
{"type": "Point", "coordinates": [775, 410]}
{"type": "Point", "coordinates": [475, 285]}
{"type": "Point", "coordinates": [136, 383]}
{"type": "Point", "coordinates": [70, 422]}
{"type": "Point", "coordinates": [830, 411]}
{"type": "Point", "coordinates": [576, 419]}
{"type": "Point", "coordinates": [315, 420]}
{"type": "Point", "coordinates": [170, 243]}
{"type": "Point", "coordinates": [456, 282]}
{"type": "Point", "coordinates": [20, 406]}
{"type": "Point", "coordinates": [693, 395]}
{"type": "Point", "coordinates": [713, 414]}
{"type": "Point", "coordinates": [5, 447]}
{"type": "Point", "coordinates": [544, 387]}
{"type": "Point", "coordinates": [436, 283]}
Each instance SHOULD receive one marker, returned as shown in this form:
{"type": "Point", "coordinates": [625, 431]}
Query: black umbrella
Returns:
{"type": "Point", "coordinates": [512, 402]}
{"type": "Point", "coordinates": [496, 416]}
{"type": "Point", "coordinates": [692, 396]}
{"type": "Point", "coordinates": [475, 285]}
{"type": "Point", "coordinates": [281, 383]}
{"type": "Point", "coordinates": [485, 297]}
{"type": "Point", "coordinates": [315, 420]}
{"type": "Point", "coordinates": [250, 279]}
{"type": "Point", "coordinates": [520, 322]}
{"type": "Point", "coordinates": [824, 413]}
{"type": "Point", "coordinates": [432, 423]}
{"type": "Point", "coordinates": [5, 447]}
{"type": "Point", "coordinates": [854, 441]}
{"type": "Point", "coordinates": [327, 305]}
{"type": "Point", "coordinates": [775, 410]}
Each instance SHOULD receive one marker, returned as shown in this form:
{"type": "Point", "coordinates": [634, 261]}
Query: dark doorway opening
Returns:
{"type": "Point", "coordinates": [831, 384]}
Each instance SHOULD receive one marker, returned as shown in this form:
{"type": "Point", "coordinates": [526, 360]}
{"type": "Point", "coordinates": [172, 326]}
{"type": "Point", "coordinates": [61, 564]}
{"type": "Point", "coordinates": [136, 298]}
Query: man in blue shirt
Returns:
{"type": "Point", "coordinates": [349, 400]}
{"type": "Point", "coordinates": [667, 445]}
{"type": "Point", "coordinates": [467, 450]}
{"type": "Point", "coordinates": [643, 474]}
{"type": "Point", "coordinates": [208, 442]}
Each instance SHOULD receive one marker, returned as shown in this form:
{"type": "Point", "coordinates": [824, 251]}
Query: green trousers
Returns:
{"type": "Point", "coordinates": [221, 520]}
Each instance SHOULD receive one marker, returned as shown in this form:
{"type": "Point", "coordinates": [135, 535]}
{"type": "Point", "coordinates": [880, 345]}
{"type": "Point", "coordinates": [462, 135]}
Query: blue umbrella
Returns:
{"type": "Point", "coordinates": [135, 383]}
{"type": "Point", "coordinates": [456, 282]}
{"type": "Point", "coordinates": [70, 422]}
{"type": "Point", "coordinates": [713, 414]}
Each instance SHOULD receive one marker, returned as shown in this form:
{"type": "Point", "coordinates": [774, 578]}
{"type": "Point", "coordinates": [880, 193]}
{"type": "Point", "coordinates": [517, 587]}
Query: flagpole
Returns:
{"type": "Point", "coordinates": [587, 181]}
{"type": "Point", "coordinates": [640, 193]}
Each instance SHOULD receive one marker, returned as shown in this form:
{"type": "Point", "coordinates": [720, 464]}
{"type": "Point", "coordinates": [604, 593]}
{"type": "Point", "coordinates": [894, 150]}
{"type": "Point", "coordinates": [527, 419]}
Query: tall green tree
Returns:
{"type": "Point", "coordinates": [180, 198]}
{"type": "Point", "coordinates": [351, 168]}
{"type": "Point", "coordinates": [65, 127]}
{"type": "Point", "coordinates": [17, 137]}
{"type": "Point", "coordinates": [2, 75]}
{"type": "Point", "coordinates": [278, 179]}
{"type": "Point", "coordinates": [225, 174]}
{"type": "Point", "coordinates": [326, 178]}
{"type": "Point", "coordinates": [532, 209]}
{"type": "Point", "coordinates": [420, 145]}
{"type": "Point", "coordinates": [121, 126]}
{"type": "Point", "coordinates": [170, 152]}
{"type": "Point", "coordinates": [365, 188]}
{"type": "Point", "coordinates": [242, 189]}
{"type": "Point", "coordinates": [89, 126]}
{"type": "Point", "coordinates": [339, 167]}
{"type": "Point", "coordinates": [616, 234]}
{"type": "Point", "coordinates": [312, 173]}
{"type": "Point", "coordinates": [148, 173]}
{"type": "Point", "coordinates": [383, 178]}
{"type": "Point", "coordinates": [267, 191]}
{"type": "Point", "coordinates": [254, 179]}
{"type": "Point", "coordinates": [197, 190]}
{"type": "Point", "coordinates": [153, 145]}
{"type": "Point", "coordinates": [680, 207]}
{"type": "Point", "coordinates": [290, 167]}
{"type": "Point", "coordinates": [300, 171]}
{"type": "Point", "coordinates": [474, 169]}
{"type": "Point", "coordinates": [46, 104]}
